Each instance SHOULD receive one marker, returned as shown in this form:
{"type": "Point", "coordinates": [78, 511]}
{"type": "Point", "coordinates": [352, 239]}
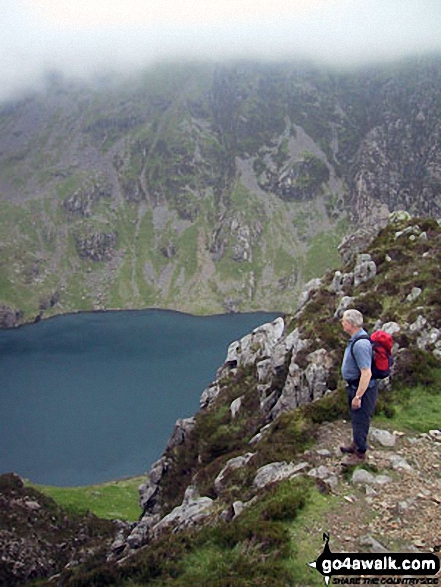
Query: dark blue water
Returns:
{"type": "Point", "coordinates": [87, 398]}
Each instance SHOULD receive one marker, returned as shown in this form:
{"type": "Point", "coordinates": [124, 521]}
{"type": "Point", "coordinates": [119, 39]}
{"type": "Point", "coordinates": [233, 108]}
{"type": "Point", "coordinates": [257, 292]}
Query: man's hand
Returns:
{"type": "Point", "coordinates": [362, 386]}
{"type": "Point", "coordinates": [356, 403]}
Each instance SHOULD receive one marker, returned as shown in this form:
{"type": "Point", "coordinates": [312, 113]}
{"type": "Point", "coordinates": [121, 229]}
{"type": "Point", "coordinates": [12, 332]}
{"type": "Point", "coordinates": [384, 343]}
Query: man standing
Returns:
{"type": "Point", "coordinates": [362, 390]}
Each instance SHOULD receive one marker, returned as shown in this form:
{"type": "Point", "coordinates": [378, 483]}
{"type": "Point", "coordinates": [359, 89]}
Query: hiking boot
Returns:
{"type": "Point", "coordinates": [356, 458]}
{"type": "Point", "coordinates": [348, 449]}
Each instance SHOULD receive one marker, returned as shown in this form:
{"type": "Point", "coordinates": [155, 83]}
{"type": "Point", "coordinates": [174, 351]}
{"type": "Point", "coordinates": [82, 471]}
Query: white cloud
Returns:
{"type": "Point", "coordinates": [82, 36]}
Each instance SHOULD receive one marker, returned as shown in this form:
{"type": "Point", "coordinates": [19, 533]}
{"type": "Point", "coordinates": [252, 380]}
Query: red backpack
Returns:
{"type": "Point", "coordinates": [382, 359]}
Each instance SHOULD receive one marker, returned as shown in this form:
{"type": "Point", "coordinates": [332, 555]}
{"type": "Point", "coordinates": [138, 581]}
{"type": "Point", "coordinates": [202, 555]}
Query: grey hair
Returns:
{"type": "Point", "coordinates": [354, 317]}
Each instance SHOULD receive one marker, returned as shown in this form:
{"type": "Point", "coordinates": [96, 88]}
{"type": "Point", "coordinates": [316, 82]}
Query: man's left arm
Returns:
{"type": "Point", "coordinates": [365, 378]}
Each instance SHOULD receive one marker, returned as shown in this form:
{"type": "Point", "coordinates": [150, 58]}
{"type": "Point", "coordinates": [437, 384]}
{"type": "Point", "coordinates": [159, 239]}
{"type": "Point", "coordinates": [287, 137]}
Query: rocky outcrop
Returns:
{"type": "Point", "coordinates": [9, 318]}
{"type": "Point", "coordinates": [97, 246]}
{"type": "Point", "coordinates": [82, 200]}
{"type": "Point", "coordinates": [38, 538]}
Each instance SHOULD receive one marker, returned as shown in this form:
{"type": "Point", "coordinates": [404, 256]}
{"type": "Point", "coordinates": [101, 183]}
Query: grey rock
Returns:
{"type": "Point", "coordinates": [232, 464]}
{"type": "Point", "coordinates": [257, 345]}
{"type": "Point", "coordinates": [264, 370]}
{"type": "Point", "coordinates": [258, 437]}
{"type": "Point", "coordinates": [365, 270]}
{"type": "Point", "coordinates": [429, 336]}
{"type": "Point", "coordinates": [356, 243]}
{"type": "Point", "coordinates": [321, 472]}
{"type": "Point", "coordinates": [181, 432]}
{"type": "Point", "coordinates": [362, 477]}
{"type": "Point", "coordinates": [345, 303]}
{"type": "Point", "coordinates": [410, 231]}
{"type": "Point", "coordinates": [382, 480]}
{"type": "Point", "coordinates": [372, 544]}
{"type": "Point", "coordinates": [141, 533]}
{"type": "Point", "coordinates": [399, 216]}
{"type": "Point", "coordinates": [209, 395]}
{"type": "Point", "coordinates": [148, 491]}
{"type": "Point", "coordinates": [414, 294]}
{"type": "Point", "coordinates": [324, 452]}
{"type": "Point", "coordinates": [311, 287]}
{"type": "Point", "coordinates": [192, 511]}
{"type": "Point", "coordinates": [278, 471]}
{"type": "Point", "coordinates": [399, 463]}
{"type": "Point", "coordinates": [341, 282]}
{"type": "Point", "coordinates": [370, 491]}
{"type": "Point", "coordinates": [382, 437]}
{"type": "Point", "coordinates": [235, 406]}
{"type": "Point", "coordinates": [391, 328]}
{"type": "Point", "coordinates": [238, 507]}
{"type": "Point", "coordinates": [419, 324]}
{"type": "Point", "coordinates": [304, 385]}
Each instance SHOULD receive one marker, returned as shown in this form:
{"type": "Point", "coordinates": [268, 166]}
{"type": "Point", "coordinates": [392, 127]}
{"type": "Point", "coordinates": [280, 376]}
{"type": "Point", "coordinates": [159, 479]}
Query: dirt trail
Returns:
{"type": "Point", "coordinates": [403, 514]}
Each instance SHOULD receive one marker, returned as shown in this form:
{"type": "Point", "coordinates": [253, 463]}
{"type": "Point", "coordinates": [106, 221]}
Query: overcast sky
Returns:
{"type": "Point", "coordinates": [80, 37]}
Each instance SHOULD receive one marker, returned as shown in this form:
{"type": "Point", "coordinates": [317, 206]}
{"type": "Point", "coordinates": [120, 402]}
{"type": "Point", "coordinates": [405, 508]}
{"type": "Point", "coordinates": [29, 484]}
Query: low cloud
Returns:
{"type": "Point", "coordinates": [86, 37]}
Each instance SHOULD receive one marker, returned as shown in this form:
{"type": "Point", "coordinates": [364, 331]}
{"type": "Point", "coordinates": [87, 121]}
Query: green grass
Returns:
{"type": "Point", "coordinates": [112, 500]}
{"type": "Point", "coordinates": [415, 409]}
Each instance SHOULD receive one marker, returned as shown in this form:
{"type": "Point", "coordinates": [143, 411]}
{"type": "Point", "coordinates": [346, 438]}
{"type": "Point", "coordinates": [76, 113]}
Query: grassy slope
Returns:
{"type": "Point", "coordinates": [112, 500]}
{"type": "Point", "coordinates": [269, 544]}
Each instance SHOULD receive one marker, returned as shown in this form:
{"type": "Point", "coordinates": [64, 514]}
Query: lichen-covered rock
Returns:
{"type": "Point", "coordinates": [365, 269]}
{"type": "Point", "coordinates": [341, 282]}
{"type": "Point", "coordinates": [257, 345]}
{"type": "Point", "coordinates": [232, 465]}
{"type": "Point", "coordinates": [357, 242]}
{"type": "Point", "coordinates": [182, 430]}
{"type": "Point", "coordinates": [193, 509]}
{"type": "Point", "coordinates": [304, 385]}
{"type": "Point", "coordinates": [275, 472]}
{"type": "Point", "coordinates": [148, 491]}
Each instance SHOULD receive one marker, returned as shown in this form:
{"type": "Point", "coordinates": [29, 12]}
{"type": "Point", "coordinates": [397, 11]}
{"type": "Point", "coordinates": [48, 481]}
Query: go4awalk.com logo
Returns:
{"type": "Point", "coordinates": [418, 565]}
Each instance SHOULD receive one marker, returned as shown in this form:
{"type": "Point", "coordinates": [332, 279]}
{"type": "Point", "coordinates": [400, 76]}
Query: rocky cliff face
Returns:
{"type": "Point", "coordinates": [206, 189]}
{"type": "Point", "coordinates": [281, 370]}
{"type": "Point", "coordinates": [269, 426]}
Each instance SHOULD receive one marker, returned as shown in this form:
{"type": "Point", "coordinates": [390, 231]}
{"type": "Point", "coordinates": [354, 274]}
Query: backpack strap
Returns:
{"type": "Point", "coordinates": [362, 337]}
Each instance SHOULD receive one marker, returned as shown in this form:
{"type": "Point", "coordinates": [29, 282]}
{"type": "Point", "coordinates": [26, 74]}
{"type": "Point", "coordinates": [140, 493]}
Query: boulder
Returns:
{"type": "Point", "coordinates": [362, 477]}
{"type": "Point", "coordinates": [356, 243]}
{"type": "Point", "coordinates": [382, 437]}
{"type": "Point", "coordinates": [193, 509]}
{"type": "Point", "coordinates": [345, 303]}
{"type": "Point", "coordinates": [311, 287]}
{"type": "Point", "coordinates": [181, 432]}
{"type": "Point", "coordinates": [140, 535]}
{"type": "Point", "coordinates": [257, 345]}
{"type": "Point", "coordinates": [209, 395]}
{"type": "Point", "coordinates": [365, 269]}
{"type": "Point", "coordinates": [341, 282]}
{"type": "Point", "coordinates": [399, 216]}
{"type": "Point", "coordinates": [233, 464]}
{"type": "Point", "coordinates": [414, 294]}
{"type": "Point", "coordinates": [235, 406]}
{"type": "Point", "coordinates": [276, 472]}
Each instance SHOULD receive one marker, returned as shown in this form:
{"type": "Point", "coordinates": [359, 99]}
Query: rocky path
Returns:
{"type": "Point", "coordinates": [391, 504]}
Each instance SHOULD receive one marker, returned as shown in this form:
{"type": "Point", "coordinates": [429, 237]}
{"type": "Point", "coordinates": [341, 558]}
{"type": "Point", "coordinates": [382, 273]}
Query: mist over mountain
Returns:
{"type": "Point", "coordinates": [206, 187]}
{"type": "Point", "coordinates": [82, 39]}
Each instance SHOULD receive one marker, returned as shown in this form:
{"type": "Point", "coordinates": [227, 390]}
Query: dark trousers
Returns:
{"type": "Point", "coordinates": [361, 418]}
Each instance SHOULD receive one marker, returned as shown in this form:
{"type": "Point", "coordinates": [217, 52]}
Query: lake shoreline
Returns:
{"type": "Point", "coordinates": [41, 319]}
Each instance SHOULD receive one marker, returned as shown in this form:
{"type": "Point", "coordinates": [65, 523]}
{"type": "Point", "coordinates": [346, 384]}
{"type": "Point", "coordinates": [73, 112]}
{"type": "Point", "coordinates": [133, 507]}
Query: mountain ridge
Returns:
{"type": "Point", "coordinates": [206, 188]}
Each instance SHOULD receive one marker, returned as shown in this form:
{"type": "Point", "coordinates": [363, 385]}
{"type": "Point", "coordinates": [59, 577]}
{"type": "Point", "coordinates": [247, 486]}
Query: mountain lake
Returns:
{"type": "Point", "coordinates": [92, 397]}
